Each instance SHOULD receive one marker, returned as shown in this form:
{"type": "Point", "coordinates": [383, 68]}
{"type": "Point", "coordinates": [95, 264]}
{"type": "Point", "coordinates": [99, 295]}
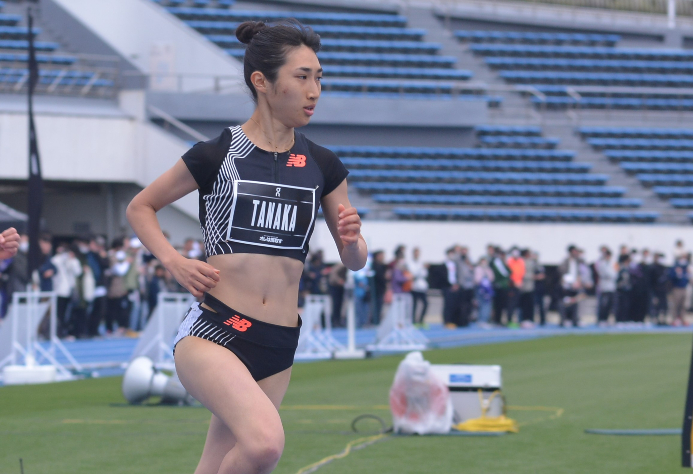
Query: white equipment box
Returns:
{"type": "Point", "coordinates": [464, 383]}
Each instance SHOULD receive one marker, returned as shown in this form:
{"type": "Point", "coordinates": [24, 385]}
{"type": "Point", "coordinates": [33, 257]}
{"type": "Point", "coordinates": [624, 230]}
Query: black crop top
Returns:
{"type": "Point", "coordinates": [255, 201]}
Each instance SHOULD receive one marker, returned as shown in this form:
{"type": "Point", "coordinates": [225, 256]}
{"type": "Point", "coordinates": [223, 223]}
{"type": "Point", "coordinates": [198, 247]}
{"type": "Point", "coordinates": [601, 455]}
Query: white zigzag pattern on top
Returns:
{"type": "Point", "coordinates": [218, 203]}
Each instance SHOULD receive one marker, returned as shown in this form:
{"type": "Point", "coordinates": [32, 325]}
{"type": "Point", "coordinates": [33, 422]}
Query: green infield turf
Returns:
{"type": "Point", "coordinates": [556, 388]}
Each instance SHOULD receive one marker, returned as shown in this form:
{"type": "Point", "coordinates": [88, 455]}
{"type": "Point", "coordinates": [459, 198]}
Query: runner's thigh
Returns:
{"type": "Point", "coordinates": [223, 384]}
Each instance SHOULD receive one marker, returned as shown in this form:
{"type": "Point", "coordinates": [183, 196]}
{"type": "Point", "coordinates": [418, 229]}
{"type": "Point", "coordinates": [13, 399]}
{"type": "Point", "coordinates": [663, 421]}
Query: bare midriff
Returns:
{"type": "Point", "coordinates": [264, 287]}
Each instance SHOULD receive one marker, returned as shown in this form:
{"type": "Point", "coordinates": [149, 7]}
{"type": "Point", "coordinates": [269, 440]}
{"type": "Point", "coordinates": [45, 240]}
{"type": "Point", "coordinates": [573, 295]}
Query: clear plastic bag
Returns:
{"type": "Point", "coordinates": [419, 401]}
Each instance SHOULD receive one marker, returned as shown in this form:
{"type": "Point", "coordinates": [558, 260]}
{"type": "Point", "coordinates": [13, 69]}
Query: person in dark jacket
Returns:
{"type": "Point", "coordinates": [47, 270]}
{"type": "Point", "coordinates": [623, 289]}
{"type": "Point", "coordinates": [378, 285]}
{"type": "Point", "coordinates": [659, 282]}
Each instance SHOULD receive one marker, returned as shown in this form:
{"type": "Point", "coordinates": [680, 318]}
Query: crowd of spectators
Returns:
{"type": "Point", "coordinates": [101, 289]}
{"type": "Point", "coordinates": [511, 288]}
{"type": "Point", "coordinates": [113, 289]}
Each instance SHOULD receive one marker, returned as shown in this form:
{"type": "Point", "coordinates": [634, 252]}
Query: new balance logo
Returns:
{"type": "Point", "coordinates": [298, 161]}
{"type": "Point", "coordinates": [238, 323]}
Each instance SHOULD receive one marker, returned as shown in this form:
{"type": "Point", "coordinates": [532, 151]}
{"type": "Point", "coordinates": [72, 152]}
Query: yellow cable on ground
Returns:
{"type": "Point", "coordinates": [352, 445]}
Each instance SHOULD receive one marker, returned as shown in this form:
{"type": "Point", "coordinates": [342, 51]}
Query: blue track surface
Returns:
{"type": "Point", "coordinates": [108, 356]}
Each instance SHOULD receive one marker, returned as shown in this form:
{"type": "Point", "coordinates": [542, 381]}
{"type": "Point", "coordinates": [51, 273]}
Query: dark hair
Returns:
{"type": "Point", "coordinates": [268, 45]}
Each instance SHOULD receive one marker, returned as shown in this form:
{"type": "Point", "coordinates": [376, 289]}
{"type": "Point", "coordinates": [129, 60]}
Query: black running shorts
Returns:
{"type": "Point", "coordinates": [265, 349]}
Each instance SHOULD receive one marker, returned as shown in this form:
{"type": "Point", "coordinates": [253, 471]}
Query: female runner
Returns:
{"type": "Point", "coordinates": [260, 186]}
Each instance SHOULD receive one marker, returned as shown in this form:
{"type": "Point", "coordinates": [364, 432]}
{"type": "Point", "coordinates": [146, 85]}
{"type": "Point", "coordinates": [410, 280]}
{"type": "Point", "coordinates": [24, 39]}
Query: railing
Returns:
{"type": "Point", "coordinates": [90, 76]}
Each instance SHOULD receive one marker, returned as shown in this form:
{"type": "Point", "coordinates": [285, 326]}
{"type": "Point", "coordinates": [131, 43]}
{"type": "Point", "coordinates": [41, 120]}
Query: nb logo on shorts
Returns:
{"type": "Point", "coordinates": [238, 323]}
{"type": "Point", "coordinates": [298, 161]}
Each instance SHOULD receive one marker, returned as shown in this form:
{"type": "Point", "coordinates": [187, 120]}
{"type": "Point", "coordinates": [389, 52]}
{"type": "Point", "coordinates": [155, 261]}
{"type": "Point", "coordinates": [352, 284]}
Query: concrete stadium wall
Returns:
{"type": "Point", "coordinates": [135, 27]}
{"type": "Point", "coordinates": [550, 240]}
{"type": "Point", "coordinates": [93, 146]}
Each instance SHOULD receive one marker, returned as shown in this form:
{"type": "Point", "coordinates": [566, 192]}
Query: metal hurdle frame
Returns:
{"type": "Point", "coordinates": [396, 332]}
{"type": "Point", "coordinates": [154, 342]}
{"type": "Point", "coordinates": [315, 341]}
{"type": "Point", "coordinates": [32, 351]}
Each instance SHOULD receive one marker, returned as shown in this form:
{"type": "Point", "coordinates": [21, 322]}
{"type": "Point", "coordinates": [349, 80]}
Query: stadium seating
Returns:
{"type": "Point", "coordinates": [459, 153]}
{"type": "Point", "coordinates": [582, 52]}
{"type": "Point", "coordinates": [661, 158]}
{"type": "Point", "coordinates": [525, 215]}
{"type": "Point", "coordinates": [599, 132]}
{"type": "Point", "coordinates": [9, 20]}
{"type": "Point", "coordinates": [522, 37]}
{"type": "Point", "coordinates": [640, 143]}
{"type": "Point", "coordinates": [649, 155]}
{"type": "Point", "coordinates": [591, 65]}
{"type": "Point", "coordinates": [356, 49]}
{"type": "Point", "coordinates": [16, 32]}
{"type": "Point", "coordinates": [518, 142]}
{"type": "Point", "coordinates": [506, 130]}
{"type": "Point", "coordinates": [40, 58]}
{"type": "Point", "coordinates": [478, 177]}
{"type": "Point", "coordinates": [506, 200]}
{"type": "Point", "coordinates": [490, 189]}
{"type": "Point", "coordinates": [328, 31]}
{"type": "Point", "coordinates": [312, 18]}
{"type": "Point", "coordinates": [24, 44]}
{"type": "Point", "coordinates": [602, 79]}
{"type": "Point", "coordinates": [550, 62]}
{"type": "Point", "coordinates": [448, 164]}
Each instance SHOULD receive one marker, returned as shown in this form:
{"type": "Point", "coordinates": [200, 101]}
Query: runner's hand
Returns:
{"type": "Point", "coordinates": [349, 225]}
{"type": "Point", "coordinates": [195, 276]}
{"type": "Point", "coordinates": [9, 243]}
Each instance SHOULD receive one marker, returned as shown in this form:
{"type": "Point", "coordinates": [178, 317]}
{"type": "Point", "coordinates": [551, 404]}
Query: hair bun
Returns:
{"type": "Point", "coordinates": [248, 29]}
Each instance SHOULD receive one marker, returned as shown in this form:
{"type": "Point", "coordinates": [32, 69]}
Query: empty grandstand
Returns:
{"type": "Point", "coordinates": [441, 114]}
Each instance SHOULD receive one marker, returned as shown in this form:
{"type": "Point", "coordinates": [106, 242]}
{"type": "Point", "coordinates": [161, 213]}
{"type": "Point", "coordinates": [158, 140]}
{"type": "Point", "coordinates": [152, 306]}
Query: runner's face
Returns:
{"type": "Point", "coordinates": [295, 93]}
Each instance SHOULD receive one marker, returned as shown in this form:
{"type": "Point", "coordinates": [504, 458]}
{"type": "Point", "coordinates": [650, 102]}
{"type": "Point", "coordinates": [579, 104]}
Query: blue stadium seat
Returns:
{"type": "Point", "coordinates": [682, 203]}
{"type": "Point", "coordinates": [479, 200]}
{"type": "Point", "coordinates": [525, 214]}
{"type": "Point", "coordinates": [682, 168]}
{"type": "Point", "coordinates": [460, 153]}
{"type": "Point", "coordinates": [641, 143]}
{"type": "Point", "coordinates": [604, 79]}
{"type": "Point", "coordinates": [397, 72]}
{"type": "Point", "coordinates": [477, 177]}
{"type": "Point", "coordinates": [649, 155]}
{"type": "Point", "coordinates": [347, 45]}
{"type": "Point", "coordinates": [582, 52]}
{"type": "Point", "coordinates": [365, 85]}
{"type": "Point", "coordinates": [665, 179]}
{"type": "Point", "coordinates": [40, 58]}
{"type": "Point", "coordinates": [623, 132]}
{"type": "Point", "coordinates": [507, 130]}
{"type": "Point", "coordinates": [452, 164]}
{"type": "Point", "coordinates": [673, 191]}
{"type": "Point", "coordinates": [622, 103]}
{"type": "Point", "coordinates": [490, 189]}
{"type": "Point", "coordinates": [9, 20]}
{"type": "Point", "coordinates": [492, 101]}
{"type": "Point", "coordinates": [518, 141]}
{"type": "Point", "coordinates": [590, 65]}
{"type": "Point", "coordinates": [401, 60]}
{"type": "Point", "coordinates": [24, 44]}
{"type": "Point", "coordinates": [372, 46]}
{"type": "Point", "coordinates": [16, 32]}
{"type": "Point", "coordinates": [311, 18]}
{"type": "Point", "coordinates": [327, 31]}
{"type": "Point", "coordinates": [522, 37]}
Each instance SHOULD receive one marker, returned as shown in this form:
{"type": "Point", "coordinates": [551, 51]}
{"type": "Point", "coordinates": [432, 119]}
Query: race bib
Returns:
{"type": "Point", "coordinates": [271, 215]}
